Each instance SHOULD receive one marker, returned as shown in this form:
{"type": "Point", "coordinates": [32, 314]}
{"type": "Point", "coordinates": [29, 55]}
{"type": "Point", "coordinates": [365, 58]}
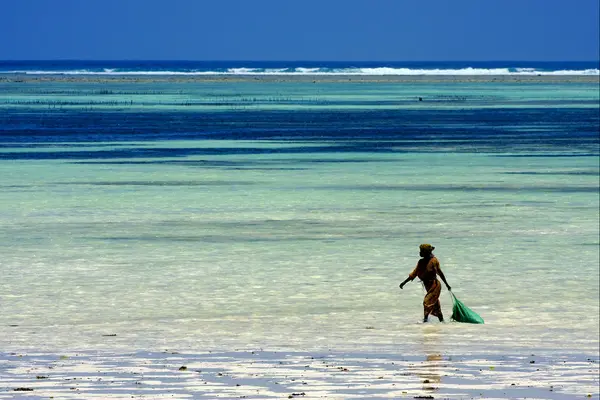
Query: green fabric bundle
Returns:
{"type": "Point", "coordinates": [462, 313]}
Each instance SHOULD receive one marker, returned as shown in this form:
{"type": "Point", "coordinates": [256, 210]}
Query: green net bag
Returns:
{"type": "Point", "coordinates": [462, 313]}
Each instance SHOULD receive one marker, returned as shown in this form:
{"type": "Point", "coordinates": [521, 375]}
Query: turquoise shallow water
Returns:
{"type": "Point", "coordinates": [287, 215]}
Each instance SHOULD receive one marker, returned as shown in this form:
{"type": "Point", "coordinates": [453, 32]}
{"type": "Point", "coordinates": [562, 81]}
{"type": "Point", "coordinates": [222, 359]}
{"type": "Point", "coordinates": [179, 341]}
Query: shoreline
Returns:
{"type": "Point", "coordinates": [89, 78]}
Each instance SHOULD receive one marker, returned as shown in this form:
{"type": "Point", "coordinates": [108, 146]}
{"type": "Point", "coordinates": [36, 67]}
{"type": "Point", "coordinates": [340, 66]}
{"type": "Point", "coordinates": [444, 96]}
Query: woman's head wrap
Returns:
{"type": "Point", "coordinates": [426, 247]}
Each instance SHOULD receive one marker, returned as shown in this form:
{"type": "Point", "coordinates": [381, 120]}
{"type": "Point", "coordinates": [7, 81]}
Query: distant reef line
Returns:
{"type": "Point", "coordinates": [26, 78]}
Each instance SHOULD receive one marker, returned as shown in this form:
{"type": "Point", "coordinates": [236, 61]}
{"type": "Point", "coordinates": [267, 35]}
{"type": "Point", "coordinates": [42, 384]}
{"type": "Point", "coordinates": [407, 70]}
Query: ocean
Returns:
{"type": "Point", "coordinates": [147, 206]}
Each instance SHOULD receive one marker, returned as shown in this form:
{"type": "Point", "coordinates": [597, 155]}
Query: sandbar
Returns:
{"type": "Point", "coordinates": [83, 78]}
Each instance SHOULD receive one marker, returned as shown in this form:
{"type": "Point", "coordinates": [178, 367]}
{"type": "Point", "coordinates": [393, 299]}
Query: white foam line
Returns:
{"type": "Point", "coordinates": [318, 72]}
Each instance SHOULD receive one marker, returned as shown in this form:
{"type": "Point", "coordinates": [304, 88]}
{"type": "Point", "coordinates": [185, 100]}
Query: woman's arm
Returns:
{"type": "Point", "coordinates": [411, 276]}
{"type": "Point", "coordinates": [405, 281]}
{"type": "Point", "coordinates": [441, 274]}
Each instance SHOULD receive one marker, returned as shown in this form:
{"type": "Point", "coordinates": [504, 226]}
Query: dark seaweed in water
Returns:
{"type": "Point", "coordinates": [565, 131]}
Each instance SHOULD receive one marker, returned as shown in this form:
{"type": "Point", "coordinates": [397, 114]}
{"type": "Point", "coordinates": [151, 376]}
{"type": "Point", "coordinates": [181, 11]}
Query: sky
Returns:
{"type": "Point", "coordinates": [307, 30]}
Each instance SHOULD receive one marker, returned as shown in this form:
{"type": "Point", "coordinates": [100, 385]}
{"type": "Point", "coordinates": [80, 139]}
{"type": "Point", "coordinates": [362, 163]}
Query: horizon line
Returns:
{"type": "Point", "coordinates": [283, 60]}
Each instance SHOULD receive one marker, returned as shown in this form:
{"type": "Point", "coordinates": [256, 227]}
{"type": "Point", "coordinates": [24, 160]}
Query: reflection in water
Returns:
{"type": "Point", "coordinates": [429, 370]}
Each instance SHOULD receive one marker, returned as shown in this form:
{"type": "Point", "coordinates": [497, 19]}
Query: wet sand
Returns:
{"type": "Point", "coordinates": [304, 375]}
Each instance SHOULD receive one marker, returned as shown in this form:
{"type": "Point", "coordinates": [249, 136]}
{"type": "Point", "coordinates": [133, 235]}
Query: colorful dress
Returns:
{"type": "Point", "coordinates": [427, 270]}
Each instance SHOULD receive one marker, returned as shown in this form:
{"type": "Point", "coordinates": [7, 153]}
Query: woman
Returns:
{"type": "Point", "coordinates": [427, 270]}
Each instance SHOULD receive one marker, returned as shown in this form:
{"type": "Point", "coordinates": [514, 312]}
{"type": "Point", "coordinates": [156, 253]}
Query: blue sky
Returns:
{"type": "Point", "coordinates": [333, 30]}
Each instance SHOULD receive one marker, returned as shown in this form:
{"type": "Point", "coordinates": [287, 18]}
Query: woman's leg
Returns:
{"type": "Point", "coordinates": [431, 303]}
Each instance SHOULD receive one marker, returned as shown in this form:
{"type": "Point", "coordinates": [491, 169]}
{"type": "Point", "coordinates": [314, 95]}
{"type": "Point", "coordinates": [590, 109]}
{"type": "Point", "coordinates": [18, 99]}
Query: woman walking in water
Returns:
{"type": "Point", "coordinates": [427, 269]}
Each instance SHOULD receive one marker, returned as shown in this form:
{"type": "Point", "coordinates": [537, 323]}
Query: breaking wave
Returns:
{"type": "Point", "coordinates": [302, 70]}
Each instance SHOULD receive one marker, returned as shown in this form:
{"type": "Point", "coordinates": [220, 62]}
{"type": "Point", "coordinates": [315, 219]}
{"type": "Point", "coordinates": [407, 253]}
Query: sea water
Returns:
{"type": "Point", "coordinates": [195, 215]}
